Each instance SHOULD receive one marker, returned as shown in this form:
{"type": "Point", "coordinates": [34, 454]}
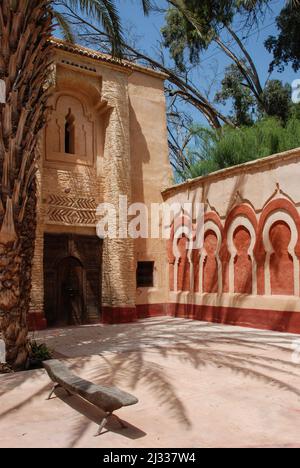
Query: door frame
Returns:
{"type": "Point", "coordinates": [51, 270]}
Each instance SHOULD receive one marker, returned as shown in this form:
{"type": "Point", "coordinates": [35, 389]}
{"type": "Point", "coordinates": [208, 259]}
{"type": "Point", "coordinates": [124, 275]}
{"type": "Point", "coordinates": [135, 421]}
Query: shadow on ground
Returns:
{"type": "Point", "coordinates": [143, 353]}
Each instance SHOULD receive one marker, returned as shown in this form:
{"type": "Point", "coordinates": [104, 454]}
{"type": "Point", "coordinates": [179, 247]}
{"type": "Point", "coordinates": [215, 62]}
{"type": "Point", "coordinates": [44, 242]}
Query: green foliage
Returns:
{"type": "Point", "coordinates": [285, 46]}
{"type": "Point", "coordinates": [277, 99]}
{"type": "Point", "coordinates": [180, 37]}
{"type": "Point", "coordinates": [5, 369]}
{"type": "Point", "coordinates": [39, 352]}
{"type": "Point", "coordinates": [295, 111]}
{"type": "Point", "coordinates": [216, 150]}
{"type": "Point", "coordinates": [102, 12]}
{"type": "Point", "coordinates": [243, 100]}
{"type": "Point", "coordinates": [191, 25]}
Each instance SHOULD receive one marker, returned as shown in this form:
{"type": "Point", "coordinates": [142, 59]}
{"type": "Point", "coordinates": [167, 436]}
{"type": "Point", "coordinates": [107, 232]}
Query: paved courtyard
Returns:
{"type": "Point", "coordinates": [199, 385]}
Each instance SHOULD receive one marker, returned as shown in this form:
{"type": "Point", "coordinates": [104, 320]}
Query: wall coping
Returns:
{"type": "Point", "coordinates": [232, 171]}
{"type": "Point", "coordinates": [106, 58]}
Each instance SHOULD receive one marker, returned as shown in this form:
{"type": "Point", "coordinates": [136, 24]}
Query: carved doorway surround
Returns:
{"type": "Point", "coordinates": [72, 279]}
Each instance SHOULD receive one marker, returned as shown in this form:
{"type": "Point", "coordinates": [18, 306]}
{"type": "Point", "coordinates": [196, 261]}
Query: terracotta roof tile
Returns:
{"type": "Point", "coordinates": [95, 55]}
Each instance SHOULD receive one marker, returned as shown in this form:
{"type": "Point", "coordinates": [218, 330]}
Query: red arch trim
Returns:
{"type": "Point", "coordinates": [280, 204]}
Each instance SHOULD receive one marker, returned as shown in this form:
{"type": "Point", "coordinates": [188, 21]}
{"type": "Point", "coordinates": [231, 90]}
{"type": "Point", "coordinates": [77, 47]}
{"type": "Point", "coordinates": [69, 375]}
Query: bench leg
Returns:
{"type": "Point", "coordinates": [122, 424]}
{"type": "Point", "coordinates": [52, 391]}
{"type": "Point", "coordinates": [103, 423]}
{"type": "Point", "coordinates": [54, 388]}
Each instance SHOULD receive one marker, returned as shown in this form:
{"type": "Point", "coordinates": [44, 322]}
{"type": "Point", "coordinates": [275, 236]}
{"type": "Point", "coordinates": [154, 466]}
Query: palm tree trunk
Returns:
{"type": "Point", "coordinates": [25, 55]}
{"type": "Point", "coordinates": [15, 277]}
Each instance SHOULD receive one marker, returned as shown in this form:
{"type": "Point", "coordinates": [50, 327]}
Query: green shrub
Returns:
{"type": "Point", "coordinates": [219, 149]}
{"type": "Point", "coordinates": [39, 352]}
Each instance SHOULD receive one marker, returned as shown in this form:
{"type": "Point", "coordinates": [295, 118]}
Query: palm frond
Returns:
{"type": "Point", "coordinates": [65, 27]}
{"type": "Point", "coordinates": [147, 5]}
{"type": "Point", "coordinates": [103, 12]}
{"type": "Point", "coordinates": [294, 3]}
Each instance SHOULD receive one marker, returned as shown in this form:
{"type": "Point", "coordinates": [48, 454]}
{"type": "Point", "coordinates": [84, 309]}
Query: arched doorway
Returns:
{"type": "Point", "coordinates": [72, 279]}
{"type": "Point", "coordinates": [71, 292]}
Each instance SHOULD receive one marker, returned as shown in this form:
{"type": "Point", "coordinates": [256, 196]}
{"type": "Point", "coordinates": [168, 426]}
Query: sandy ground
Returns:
{"type": "Point", "coordinates": [198, 384]}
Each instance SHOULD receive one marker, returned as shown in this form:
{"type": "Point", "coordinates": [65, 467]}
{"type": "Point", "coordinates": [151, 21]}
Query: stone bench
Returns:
{"type": "Point", "coordinates": [108, 399]}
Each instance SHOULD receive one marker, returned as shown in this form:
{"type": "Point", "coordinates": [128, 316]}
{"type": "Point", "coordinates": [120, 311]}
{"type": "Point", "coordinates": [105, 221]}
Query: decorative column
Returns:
{"type": "Point", "coordinates": [119, 273]}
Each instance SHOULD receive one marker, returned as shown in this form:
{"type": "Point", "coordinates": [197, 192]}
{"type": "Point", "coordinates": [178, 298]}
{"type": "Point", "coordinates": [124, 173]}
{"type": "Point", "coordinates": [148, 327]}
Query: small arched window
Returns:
{"type": "Point", "coordinates": [70, 133]}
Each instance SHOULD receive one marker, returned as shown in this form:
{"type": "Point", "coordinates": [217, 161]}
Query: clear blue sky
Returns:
{"type": "Point", "coordinates": [147, 29]}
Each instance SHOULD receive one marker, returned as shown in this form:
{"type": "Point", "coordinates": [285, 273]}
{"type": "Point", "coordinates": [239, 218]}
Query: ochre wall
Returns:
{"type": "Point", "coordinates": [150, 174]}
{"type": "Point", "coordinates": [248, 270]}
{"type": "Point", "coordinates": [121, 149]}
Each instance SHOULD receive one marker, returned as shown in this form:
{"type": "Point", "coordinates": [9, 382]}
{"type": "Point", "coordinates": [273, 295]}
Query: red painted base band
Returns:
{"type": "Point", "coordinates": [36, 321]}
{"type": "Point", "coordinates": [112, 315]}
{"type": "Point", "coordinates": [151, 310]}
{"type": "Point", "coordinates": [282, 321]}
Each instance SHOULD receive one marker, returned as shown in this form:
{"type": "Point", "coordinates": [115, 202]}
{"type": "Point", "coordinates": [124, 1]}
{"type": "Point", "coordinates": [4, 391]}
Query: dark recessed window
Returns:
{"type": "Point", "coordinates": [145, 274]}
{"type": "Point", "coordinates": [70, 133]}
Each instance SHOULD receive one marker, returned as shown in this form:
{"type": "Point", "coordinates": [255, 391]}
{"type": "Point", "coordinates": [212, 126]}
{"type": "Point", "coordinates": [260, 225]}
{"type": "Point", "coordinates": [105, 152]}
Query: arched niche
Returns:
{"type": "Point", "coordinates": [70, 132]}
{"type": "Point", "coordinates": [280, 239]}
{"type": "Point", "coordinates": [181, 250]}
{"type": "Point", "coordinates": [210, 269]}
{"type": "Point", "coordinates": [241, 240]}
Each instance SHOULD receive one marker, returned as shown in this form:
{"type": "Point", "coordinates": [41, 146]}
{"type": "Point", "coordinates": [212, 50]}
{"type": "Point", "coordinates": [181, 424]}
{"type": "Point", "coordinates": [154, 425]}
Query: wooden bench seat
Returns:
{"type": "Point", "coordinates": [108, 399]}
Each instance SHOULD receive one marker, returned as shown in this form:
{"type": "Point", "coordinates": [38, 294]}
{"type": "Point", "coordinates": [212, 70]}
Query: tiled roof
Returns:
{"type": "Point", "coordinates": [95, 55]}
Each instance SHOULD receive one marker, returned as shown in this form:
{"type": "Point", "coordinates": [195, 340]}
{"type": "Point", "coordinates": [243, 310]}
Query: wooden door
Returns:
{"type": "Point", "coordinates": [71, 292]}
{"type": "Point", "coordinates": [72, 279]}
